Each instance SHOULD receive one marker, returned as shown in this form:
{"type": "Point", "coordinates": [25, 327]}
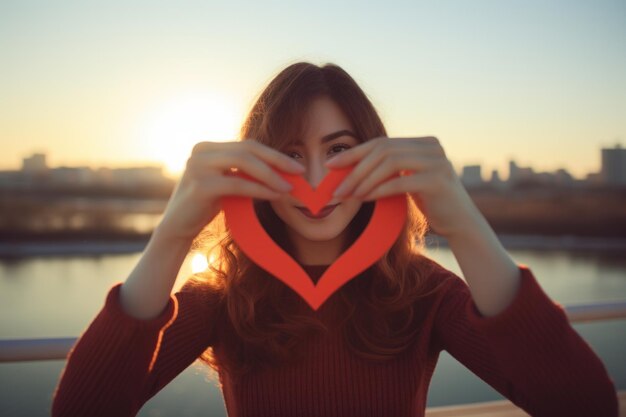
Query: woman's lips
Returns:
{"type": "Point", "coordinates": [321, 214]}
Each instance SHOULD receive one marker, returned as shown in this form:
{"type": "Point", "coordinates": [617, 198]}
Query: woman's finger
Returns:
{"type": "Point", "coordinates": [270, 155]}
{"type": "Point", "coordinates": [241, 160]}
{"type": "Point", "coordinates": [410, 183]}
{"type": "Point", "coordinates": [427, 145]}
{"type": "Point", "coordinates": [394, 164]}
{"type": "Point", "coordinates": [231, 185]}
{"type": "Point", "coordinates": [377, 154]}
{"type": "Point", "coordinates": [354, 154]}
{"type": "Point", "coordinates": [273, 157]}
{"type": "Point", "coordinates": [361, 171]}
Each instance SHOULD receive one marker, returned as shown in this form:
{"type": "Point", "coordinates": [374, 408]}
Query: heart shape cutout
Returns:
{"type": "Point", "coordinates": [381, 232]}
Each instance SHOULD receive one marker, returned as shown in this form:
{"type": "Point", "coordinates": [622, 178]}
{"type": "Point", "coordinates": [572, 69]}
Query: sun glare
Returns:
{"type": "Point", "coordinates": [170, 129]}
{"type": "Point", "coordinates": [199, 263]}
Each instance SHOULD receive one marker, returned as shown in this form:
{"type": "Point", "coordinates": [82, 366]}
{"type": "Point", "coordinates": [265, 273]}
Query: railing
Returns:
{"type": "Point", "coordinates": [16, 350]}
{"type": "Point", "coordinates": [502, 408]}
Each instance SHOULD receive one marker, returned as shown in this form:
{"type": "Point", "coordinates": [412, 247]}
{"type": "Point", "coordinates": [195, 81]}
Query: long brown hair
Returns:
{"type": "Point", "coordinates": [256, 307]}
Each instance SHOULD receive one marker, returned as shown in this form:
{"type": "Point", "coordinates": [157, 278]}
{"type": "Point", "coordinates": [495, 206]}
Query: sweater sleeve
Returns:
{"type": "Point", "coordinates": [529, 352]}
{"type": "Point", "coordinates": [120, 362]}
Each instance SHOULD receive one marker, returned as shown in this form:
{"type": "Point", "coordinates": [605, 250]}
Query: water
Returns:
{"type": "Point", "coordinates": [59, 296]}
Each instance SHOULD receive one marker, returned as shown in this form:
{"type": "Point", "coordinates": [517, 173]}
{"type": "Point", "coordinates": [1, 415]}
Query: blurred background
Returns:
{"type": "Point", "coordinates": [102, 102]}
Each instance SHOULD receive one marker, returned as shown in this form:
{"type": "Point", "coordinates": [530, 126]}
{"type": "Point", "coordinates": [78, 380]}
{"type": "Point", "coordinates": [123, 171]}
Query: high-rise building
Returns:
{"type": "Point", "coordinates": [495, 181]}
{"type": "Point", "coordinates": [471, 176]}
{"type": "Point", "coordinates": [613, 169]}
{"type": "Point", "coordinates": [519, 174]}
{"type": "Point", "coordinates": [36, 163]}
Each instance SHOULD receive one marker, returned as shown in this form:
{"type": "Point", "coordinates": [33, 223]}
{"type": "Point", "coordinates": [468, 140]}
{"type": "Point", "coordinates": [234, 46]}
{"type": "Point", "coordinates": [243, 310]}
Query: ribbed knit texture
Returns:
{"type": "Point", "coordinates": [529, 353]}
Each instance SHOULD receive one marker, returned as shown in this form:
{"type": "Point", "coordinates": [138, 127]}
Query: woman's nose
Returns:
{"type": "Point", "coordinates": [315, 172]}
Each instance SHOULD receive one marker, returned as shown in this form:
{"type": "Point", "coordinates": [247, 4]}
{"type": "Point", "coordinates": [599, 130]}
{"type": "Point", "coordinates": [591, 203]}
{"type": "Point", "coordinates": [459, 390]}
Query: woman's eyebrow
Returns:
{"type": "Point", "coordinates": [332, 136]}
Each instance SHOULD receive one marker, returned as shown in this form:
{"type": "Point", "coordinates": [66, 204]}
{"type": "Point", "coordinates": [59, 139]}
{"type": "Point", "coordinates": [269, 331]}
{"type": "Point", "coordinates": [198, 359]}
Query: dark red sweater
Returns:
{"type": "Point", "coordinates": [529, 353]}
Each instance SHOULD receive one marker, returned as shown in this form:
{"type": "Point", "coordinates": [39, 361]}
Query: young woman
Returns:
{"type": "Point", "coordinates": [372, 347]}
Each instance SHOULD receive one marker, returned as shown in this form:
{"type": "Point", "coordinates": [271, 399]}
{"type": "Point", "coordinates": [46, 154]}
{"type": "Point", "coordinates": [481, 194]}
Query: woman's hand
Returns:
{"type": "Point", "coordinates": [425, 173]}
{"type": "Point", "coordinates": [208, 176]}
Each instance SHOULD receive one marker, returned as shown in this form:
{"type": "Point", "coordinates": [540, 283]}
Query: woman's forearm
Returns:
{"type": "Point", "coordinates": [492, 276]}
{"type": "Point", "coordinates": [147, 290]}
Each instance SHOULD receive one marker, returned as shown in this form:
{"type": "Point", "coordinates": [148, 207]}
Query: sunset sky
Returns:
{"type": "Point", "coordinates": [121, 83]}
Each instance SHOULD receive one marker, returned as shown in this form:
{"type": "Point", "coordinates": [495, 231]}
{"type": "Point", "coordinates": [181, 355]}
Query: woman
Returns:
{"type": "Point", "coordinates": [372, 347]}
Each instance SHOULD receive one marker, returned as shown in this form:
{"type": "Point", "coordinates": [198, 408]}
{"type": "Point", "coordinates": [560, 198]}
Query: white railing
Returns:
{"type": "Point", "coordinates": [17, 350]}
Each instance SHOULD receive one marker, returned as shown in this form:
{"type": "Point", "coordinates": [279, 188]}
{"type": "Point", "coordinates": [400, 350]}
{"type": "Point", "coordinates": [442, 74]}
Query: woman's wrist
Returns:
{"type": "Point", "coordinates": [162, 233]}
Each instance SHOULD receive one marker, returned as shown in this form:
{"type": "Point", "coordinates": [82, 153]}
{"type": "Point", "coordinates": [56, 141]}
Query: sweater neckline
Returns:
{"type": "Point", "coordinates": [315, 266]}
{"type": "Point", "coordinates": [315, 272]}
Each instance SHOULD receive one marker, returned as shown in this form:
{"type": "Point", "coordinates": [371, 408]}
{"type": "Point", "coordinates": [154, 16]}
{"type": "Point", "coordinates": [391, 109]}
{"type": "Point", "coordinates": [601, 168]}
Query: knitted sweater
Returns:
{"type": "Point", "coordinates": [529, 353]}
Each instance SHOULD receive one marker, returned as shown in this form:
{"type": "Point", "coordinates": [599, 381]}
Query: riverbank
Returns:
{"type": "Point", "coordinates": [90, 247]}
{"type": "Point", "coordinates": [565, 242]}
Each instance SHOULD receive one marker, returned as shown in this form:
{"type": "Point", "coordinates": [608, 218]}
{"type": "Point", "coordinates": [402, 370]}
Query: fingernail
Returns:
{"type": "Point", "coordinates": [298, 167]}
{"type": "Point", "coordinates": [285, 186]}
{"type": "Point", "coordinates": [339, 191]}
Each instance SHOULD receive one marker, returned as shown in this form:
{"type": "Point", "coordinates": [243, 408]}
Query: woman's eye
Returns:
{"type": "Point", "coordinates": [332, 149]}
{"type": "Point", "coordinates": [340, 146]}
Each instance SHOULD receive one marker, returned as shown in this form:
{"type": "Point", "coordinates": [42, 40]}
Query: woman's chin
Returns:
{"type": "Point", "coordinates": [318, 235]}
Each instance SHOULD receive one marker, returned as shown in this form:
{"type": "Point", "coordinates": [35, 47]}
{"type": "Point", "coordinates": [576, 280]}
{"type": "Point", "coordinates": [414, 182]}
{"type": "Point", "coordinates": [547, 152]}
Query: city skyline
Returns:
{"type": "Point", "coordinates": [611, 171]}
{"type": "Point", "coordinates": [499, 166]}
{"type": "Point", "coordinates": [541, 83]}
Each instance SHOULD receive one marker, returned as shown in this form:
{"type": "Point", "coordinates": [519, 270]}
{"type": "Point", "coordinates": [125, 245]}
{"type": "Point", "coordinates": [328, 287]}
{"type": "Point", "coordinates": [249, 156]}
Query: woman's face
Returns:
{"type": "Point", "coordinates": [328, 132]}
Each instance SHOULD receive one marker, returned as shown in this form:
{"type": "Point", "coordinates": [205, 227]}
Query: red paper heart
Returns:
{"type": "Point", "coordinates": [383, 229]}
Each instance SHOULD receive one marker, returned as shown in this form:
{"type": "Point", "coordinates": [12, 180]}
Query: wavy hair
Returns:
{"type": "Point", "coordinates": [261, 319]}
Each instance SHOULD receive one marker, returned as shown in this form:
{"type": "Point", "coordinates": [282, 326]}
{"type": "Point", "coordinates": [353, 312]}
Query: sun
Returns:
{"type": "Point", "coordinates": [169, 130]}
{"type": "Point", "coordinates": [199, 263]}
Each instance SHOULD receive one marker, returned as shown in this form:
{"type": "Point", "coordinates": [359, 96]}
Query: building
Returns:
{"type": "Point", "coordinates": [471, 176]}
{"type": "Point", "coordinates": [35, 164]}
{"type": "Point", "coordinates": [72, 175]}
{"type": "Point", "coordinates": [563, 177]}
{"type": "Point", "coordinates": [496, 182]}
{"type": "Point", "coordinates": [35, 172]}
{"type": "Point", "coordinates": [519, 174]}
{"type": "Point", "coordinates": [613, 171]}
{"type": "Point", "coordinates": [136, 176]}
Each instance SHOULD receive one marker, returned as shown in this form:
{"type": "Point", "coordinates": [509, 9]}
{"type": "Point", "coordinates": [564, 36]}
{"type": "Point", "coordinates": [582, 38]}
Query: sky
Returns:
{"type": "Point", "coordinates": [122, 83]}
